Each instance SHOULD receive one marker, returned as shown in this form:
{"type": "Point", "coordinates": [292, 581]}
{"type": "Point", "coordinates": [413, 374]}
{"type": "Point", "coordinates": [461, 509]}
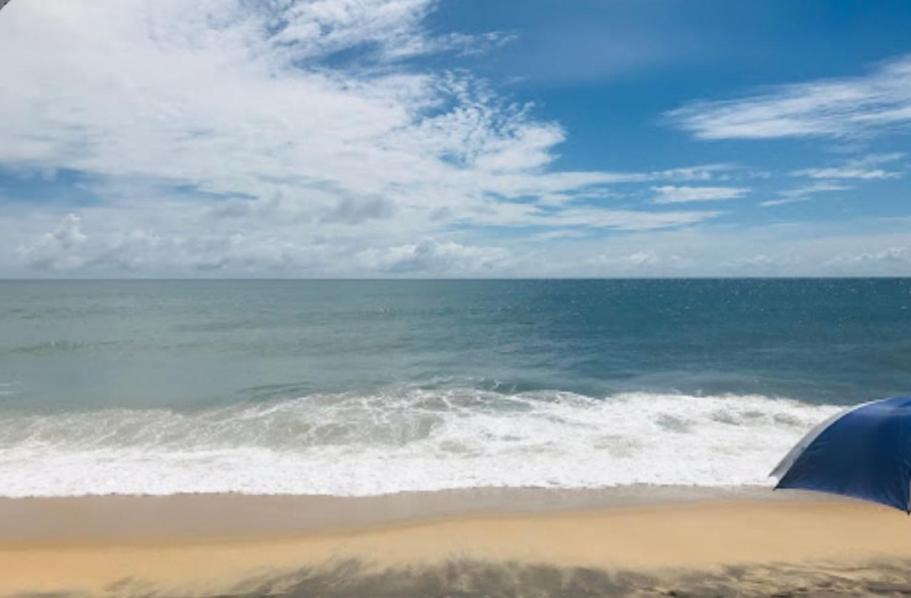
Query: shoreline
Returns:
{"type": "Point", "coordinates": [221, 544]}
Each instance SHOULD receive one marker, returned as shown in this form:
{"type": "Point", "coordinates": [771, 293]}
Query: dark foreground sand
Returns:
{"type": "Point", "coordinates": [468, 543]}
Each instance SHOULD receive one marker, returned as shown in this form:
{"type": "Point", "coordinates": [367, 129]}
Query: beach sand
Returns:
{"type": "Point", "coordinates": [458, 543]}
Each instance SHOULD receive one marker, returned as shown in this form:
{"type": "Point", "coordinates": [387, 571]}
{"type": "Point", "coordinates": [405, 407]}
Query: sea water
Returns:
{"type": "Point", "coordinates": [373, 387]}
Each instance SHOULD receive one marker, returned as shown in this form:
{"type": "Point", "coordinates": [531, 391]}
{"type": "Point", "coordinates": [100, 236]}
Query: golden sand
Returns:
{"type": "Point", "coordinates": [178, 546]}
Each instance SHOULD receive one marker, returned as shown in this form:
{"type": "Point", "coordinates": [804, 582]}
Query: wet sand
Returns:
{"type": "Point", "coordinates": [482, 542]}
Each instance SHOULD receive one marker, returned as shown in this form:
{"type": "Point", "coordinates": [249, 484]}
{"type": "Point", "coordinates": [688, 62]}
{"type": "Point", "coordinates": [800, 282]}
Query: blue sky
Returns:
{"type": "Point", "coordinates": [454, 138]}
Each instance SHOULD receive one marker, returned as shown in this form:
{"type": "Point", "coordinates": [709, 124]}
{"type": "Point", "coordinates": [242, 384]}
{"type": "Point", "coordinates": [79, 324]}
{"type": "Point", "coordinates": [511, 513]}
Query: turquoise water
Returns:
{"type": "Point", "coordinates": [363, 387]}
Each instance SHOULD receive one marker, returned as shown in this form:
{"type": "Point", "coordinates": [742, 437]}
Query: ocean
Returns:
{"type": "Point", "coordinates": [373, 387]}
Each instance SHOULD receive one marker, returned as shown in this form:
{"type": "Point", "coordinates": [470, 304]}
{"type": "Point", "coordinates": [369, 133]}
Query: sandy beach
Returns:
{"type": "Point", "coordinates": [482, 542]}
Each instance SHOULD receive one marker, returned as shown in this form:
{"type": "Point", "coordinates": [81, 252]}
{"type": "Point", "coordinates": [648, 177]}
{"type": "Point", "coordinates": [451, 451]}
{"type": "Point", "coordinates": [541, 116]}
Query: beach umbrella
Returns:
{"type": "Point", "coordinates": [864, 452]}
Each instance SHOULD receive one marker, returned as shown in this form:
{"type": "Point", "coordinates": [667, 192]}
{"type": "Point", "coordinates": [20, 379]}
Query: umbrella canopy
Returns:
{"type": "Point", "coordinates": [864, 452]}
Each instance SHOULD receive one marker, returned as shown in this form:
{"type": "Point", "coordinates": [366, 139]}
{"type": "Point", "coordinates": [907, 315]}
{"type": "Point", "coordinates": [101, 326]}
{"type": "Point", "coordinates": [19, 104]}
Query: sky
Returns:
{"type": "Point", "coordinates": [454, 138]}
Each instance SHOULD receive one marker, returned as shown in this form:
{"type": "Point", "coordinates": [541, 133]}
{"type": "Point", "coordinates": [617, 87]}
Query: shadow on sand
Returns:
{"type": "Point", "coordinates": [474, 578]}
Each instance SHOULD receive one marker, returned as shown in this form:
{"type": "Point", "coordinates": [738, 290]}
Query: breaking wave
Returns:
{"type": "Point", "coordinates": [409, 440]}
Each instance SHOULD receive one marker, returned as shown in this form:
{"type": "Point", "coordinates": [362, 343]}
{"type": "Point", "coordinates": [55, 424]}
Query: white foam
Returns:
{"type": "Point", "coordinates": [411, 440]}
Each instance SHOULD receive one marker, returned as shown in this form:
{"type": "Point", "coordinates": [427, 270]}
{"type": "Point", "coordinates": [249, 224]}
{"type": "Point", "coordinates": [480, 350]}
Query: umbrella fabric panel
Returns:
{"type": "Point", "coordinates": [788, 460]}
{"type": "Point", "coordinates": [865, 453]}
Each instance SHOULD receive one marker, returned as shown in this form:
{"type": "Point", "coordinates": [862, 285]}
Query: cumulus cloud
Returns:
{"type": "Point", "coordinates": [57, 249]}
{"type": "Point", "coordinates": [431, 256]}
{"type": "Point", "coordinates": [863, 105]}
{"type": "Point", "coordinates": [785, 249]}
{"type": "Point", "coordinates": [684, 194]}
{"type": "Point", "coordinates": [296, 135]}
{"type": "Point", "coordinates": [889, 259]}
{"type": "Point", "coordinates": [639, 263]}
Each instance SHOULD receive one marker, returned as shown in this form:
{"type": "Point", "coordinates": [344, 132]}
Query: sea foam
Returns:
{"type": "Point", "coordinates": [409, 440]}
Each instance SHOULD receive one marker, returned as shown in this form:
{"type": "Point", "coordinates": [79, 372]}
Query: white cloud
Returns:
{"type": "Point", "coordinates": [581, 217]}
{"type": "Point", "coordinates": [890, 256]}
{"type": "Point", "coordinates": [780, 250]}
{"type": "Point", "coordinates": [629, 220]}
{"type": "Point", "coordinates": [879, 101]}
{"type": "Point", "coordinates": [644, 262]}
{"type": "Point", "coordinates": [865, 168]}
{"type": "Point", "coordinates": [58, 249]}
{"type": "Point", "coordinates": [683, 194]}
{"type": "Point", "coordinates": [117, 240]}
{"type": "Point", "coordinates": [804, 193]}
{"type": "Point", "coordinates": [294, 135]}
{"type": "Point", "coordinates": [431, 256]}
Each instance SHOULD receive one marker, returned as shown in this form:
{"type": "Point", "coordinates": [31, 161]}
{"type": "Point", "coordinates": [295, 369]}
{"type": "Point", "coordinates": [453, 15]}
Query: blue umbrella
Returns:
{"type": "Point", "coordinates": [864, 452]}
